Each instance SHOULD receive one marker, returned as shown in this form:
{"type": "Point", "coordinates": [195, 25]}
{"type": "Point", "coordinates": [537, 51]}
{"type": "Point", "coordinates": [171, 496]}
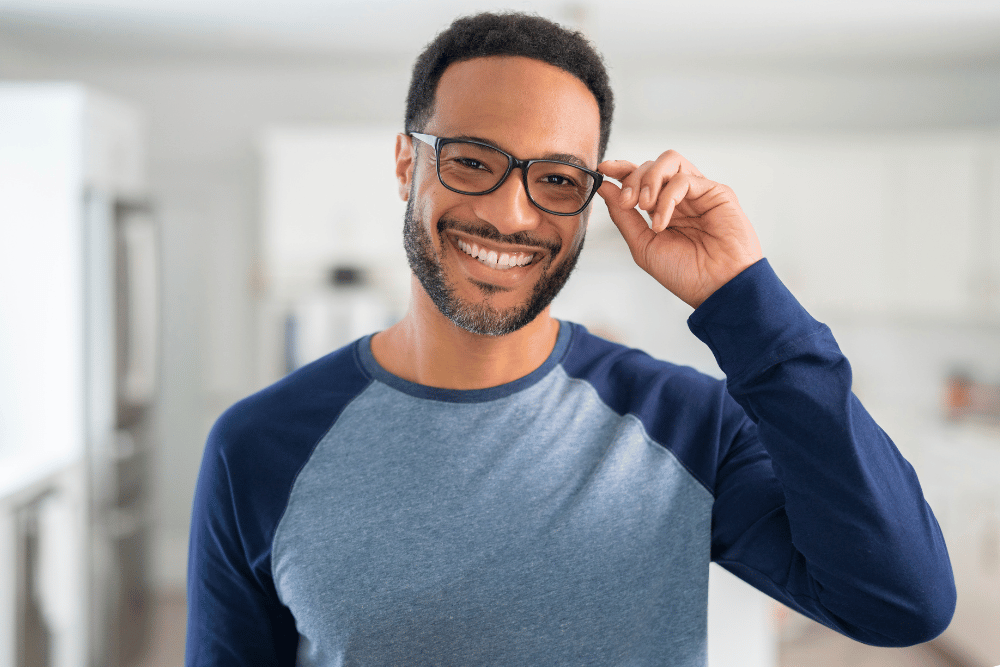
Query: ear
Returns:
{"type": "Point", "coordinates": [404, 165]}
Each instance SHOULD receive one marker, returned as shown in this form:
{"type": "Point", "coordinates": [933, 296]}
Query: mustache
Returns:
{"type": "Point", "coordinates": [488, 232]}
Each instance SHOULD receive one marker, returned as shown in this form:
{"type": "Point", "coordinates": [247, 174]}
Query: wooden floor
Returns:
{"type": "Point", "coordinates": [169, 622]}
{"type": "Point", "coordinates": [821, 647]}
{"type": "Point", "coordinates": [805, 645]}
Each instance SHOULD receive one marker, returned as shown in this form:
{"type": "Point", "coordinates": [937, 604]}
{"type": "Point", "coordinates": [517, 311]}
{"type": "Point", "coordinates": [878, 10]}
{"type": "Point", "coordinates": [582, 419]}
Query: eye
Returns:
{"type": "Point", "coordinates": [470, 163]}
{"type": "Point", "coordinates": [558, 179]}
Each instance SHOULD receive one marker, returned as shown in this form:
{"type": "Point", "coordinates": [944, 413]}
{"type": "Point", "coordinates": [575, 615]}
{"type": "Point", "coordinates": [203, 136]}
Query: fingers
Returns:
{"type": "Point", "coordinates": [629, 221]}
{"type": "Point", "coordinates": [643, 185]}
{"type": "Point", "coordinates": [616, 169]}
{"type": "Point", "coordinates": [679, 188]}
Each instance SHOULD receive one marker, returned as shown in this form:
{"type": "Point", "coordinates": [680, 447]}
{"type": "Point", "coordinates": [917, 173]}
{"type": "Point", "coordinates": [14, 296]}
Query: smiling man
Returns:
{"type": "Point", "coordinates": [482, 484]}
{"type": "Point", "coordinates": [499, 107]}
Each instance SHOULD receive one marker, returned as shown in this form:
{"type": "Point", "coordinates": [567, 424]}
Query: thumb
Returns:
{"type": "Point", "coordinates": [628, 220]}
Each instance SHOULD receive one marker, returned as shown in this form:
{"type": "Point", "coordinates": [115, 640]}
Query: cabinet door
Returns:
{"type": "Point", "coordinates": [329, 196]}
{"type": "Point", "coordinates": [874, 226]}
{"type": "Point", "coordinates": [986, 288]}
{"type": "Point", "coordinates": [932, 194]}
{"type": "Point", "coordinates": [829, 209]}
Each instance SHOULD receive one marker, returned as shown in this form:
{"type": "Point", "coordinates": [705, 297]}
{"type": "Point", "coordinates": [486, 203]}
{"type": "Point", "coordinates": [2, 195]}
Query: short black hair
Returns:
{"type": "Point", "coordinates": [508, 34]}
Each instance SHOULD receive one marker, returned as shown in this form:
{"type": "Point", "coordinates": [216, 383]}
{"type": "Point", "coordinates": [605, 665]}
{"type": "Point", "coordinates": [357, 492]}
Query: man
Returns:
{"type": "Point", "coordinates": [483, 484]}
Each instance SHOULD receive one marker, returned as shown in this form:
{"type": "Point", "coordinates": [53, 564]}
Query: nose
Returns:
{"type": "Point", "coordinates": [508, 208]}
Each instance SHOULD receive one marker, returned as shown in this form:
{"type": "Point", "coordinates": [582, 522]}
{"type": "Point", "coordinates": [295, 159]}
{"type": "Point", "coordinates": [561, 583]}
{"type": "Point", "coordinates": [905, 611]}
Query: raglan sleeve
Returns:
{"type": "Point", "coordinates": [814, 504]}
{"type": "Point", "coordinates": [234, 614]}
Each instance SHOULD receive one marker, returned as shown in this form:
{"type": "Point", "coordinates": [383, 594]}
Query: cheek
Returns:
{"type": "Point", "coordinates": [422, 206]}
{"type": "Point", "coordinates": [431, 202]}
{"type": "Point", "coordinates": [579, 233]}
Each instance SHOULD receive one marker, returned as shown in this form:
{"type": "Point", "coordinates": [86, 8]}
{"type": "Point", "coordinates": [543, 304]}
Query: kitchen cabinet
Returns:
{"type": "Point", "coordinates": [932, 192]}
{"type": "Point", "coordinates": [831, 243]}
{"type": "Point", "coordinates": [986, 287]}
{"type": "Point", "coordinates": [329, 200]}
{"type": "Point", "coordinates": [329, 196]}
{"type": "Point", "coordinates": [43, 578]}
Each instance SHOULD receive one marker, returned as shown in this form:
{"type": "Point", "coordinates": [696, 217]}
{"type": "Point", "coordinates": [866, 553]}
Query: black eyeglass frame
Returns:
{"type": "Point", "coordinates": [512, 162]}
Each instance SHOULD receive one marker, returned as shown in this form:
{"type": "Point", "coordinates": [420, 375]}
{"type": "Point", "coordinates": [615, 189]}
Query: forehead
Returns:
{"type": "Point", "coordinates": [526, 106]}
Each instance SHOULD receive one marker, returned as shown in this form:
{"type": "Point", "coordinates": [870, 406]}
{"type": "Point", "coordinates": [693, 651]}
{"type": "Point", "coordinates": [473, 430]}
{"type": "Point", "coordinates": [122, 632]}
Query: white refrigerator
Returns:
{"type": "Point", "coordinates": [79, 323]}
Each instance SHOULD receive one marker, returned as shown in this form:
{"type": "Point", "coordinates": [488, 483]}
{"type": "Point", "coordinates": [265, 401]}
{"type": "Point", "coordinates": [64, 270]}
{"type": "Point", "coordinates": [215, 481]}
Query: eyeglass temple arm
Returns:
{"type": "Point", "coordinates": [428, 139]}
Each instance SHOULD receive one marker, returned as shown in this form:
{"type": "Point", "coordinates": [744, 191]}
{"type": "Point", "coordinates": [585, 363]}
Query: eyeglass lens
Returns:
{"type": "Point", "coordinates": [474, 168]}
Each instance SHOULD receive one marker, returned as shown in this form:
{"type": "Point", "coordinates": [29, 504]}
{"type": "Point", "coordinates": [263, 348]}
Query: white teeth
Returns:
{"type": "Point", "coordinates": [494, 259]}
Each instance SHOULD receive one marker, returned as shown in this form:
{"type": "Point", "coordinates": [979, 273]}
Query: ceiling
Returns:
{"type": "Point", "coordinates": [639, 33]}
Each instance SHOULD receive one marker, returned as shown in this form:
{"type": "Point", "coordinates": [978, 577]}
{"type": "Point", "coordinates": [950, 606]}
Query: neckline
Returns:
{"type": "Point", "coordinates": [363, 353]}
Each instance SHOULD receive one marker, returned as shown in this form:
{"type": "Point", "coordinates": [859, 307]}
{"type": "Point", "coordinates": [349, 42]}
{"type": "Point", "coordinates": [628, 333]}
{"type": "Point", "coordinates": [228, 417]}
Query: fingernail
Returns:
{"type": "Point", "coordinates": [644, 193]}
{"type": "Point", "coordinates": [627, 193]}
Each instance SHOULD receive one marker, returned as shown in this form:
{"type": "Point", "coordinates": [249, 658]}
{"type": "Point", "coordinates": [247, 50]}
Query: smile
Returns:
{"type": "Point", "coordinates": [493, 259]}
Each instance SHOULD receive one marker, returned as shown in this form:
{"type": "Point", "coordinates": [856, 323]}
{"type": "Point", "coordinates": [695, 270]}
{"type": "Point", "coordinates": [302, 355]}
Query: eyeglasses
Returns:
{"type": "Point", "coordinates": [475, 168]}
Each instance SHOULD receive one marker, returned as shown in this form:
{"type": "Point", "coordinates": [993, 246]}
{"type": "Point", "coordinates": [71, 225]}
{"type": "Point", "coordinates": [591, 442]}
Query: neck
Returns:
{"type": "Point", "coordinates": [427, 348]}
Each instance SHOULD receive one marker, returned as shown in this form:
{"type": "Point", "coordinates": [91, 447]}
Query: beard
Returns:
{"type": "Point", "coordinates": [480, 318]}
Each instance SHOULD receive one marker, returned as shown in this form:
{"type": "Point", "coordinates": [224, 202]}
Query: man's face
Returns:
{"type": "Point", "coordinates": [531, 110]}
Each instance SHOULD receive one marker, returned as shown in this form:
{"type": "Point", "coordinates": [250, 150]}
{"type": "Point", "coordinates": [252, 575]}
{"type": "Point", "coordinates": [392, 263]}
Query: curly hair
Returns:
{"type": "Point", "coordinates": [507, 34]}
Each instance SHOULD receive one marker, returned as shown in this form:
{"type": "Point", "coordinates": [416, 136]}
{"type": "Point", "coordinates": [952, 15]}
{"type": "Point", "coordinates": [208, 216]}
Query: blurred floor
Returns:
{"type": "Point", "coordinates": [818, 646]}
{"type": "Point", "coordinates": [810, 645]}
{"type": "Point", "coordinates": [805, 643]}
{"type": "Point", "coordinates": [169, 622]}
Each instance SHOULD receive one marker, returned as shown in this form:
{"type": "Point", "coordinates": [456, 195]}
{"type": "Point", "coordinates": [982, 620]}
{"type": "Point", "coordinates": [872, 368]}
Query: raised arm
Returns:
{"type": "Point", "coordinates": [814, 504]}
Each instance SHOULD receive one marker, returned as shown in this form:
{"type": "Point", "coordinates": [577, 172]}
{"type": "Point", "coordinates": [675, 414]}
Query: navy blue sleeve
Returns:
{"type": "Point", "coordinates": [234, 616]}
{"type": "Point", "coordinates": [814, 504]}
{"type": "Point", "coordinates": [251, 459]}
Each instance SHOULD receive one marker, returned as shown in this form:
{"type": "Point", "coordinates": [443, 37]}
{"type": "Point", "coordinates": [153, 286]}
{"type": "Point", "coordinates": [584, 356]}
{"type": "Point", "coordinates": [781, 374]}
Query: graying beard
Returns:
{"type": "Point", "coordinates": [480, 319]}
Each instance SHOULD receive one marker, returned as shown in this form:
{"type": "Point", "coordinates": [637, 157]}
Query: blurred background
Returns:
{"type": "Point", "coordinates": [196, 197]}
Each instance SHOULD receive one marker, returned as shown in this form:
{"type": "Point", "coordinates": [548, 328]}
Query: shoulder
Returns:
{"type": "Point", "coordinates": [627, 377]}
{"type": "Point", "coordinates": [298, 408]}
{"type": "Point", "coordinates": [260, 443]}
{"type": "Point", "coordinates": [681, 409]}
{"type": "Point", "coordinates": [257, 448]}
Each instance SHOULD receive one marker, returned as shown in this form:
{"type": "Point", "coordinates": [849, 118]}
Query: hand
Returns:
{"type": "Point", "coordinates": [700, 238]}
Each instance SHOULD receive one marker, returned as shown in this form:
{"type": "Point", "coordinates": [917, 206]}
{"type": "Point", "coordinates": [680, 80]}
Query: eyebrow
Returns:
{"type": "Point", "coordinates": [562, 157]}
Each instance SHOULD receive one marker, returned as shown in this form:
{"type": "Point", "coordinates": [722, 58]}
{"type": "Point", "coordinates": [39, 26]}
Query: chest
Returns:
{"type": "Point", "coordinates": [492, 533]}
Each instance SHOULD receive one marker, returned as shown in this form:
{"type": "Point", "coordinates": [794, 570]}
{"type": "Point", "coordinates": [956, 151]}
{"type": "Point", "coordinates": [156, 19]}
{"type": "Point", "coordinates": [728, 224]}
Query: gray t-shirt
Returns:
{"type": "Point", "coordinates": [536, 527]}
{"type": "Point", "coordinates": [347, 517]}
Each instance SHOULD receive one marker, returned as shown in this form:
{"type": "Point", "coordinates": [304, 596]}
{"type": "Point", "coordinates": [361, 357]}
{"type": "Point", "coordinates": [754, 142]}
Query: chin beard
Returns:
{"type": "Point", "coordinates": [480, 318]}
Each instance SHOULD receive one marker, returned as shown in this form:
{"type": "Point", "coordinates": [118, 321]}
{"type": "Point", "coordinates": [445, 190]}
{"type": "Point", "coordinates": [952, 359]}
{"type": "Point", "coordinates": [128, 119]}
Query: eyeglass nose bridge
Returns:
{"type": "Point", "coordinates": [512, 164]}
